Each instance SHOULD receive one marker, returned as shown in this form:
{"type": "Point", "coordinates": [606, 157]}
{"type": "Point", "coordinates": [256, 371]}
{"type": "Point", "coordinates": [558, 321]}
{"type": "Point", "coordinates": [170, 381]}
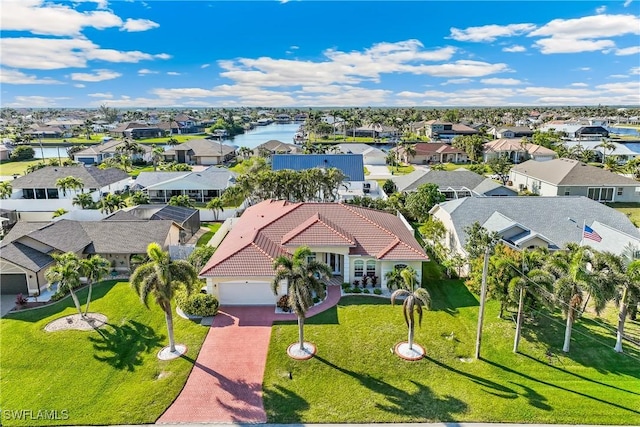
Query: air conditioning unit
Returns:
{"type": "Point", "coordinates": [521, 187]}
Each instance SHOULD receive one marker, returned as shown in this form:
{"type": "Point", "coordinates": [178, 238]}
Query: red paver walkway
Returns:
{"type": "Point", "coordinates": [225, 385]}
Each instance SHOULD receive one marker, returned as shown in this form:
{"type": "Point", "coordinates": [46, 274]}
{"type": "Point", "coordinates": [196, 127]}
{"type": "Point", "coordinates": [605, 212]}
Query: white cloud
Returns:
{"type": "Point", "coordinates": [618, 76]}
{"type": "Point", "coordinates": [462, 68]}
{"type": "Point", "coordinates": [633, 50]}
{"type": "Point", "coordinates": [497, 81]}
{"type": "Point", "coordinates": [627, 3]}
{"type": "Point", "coordinates": [173, 73]}
{"type": "Point", "coordinates": [21, 101]}
{"type": "Point", "coordinates": [145, 71]}
{"type": "Point", "coordinates": [456, 81]}
{"type": "Point", "coordinates": [99, 76]}
{"type": "Point", "coordinates": [579, 84]}
{"type": "Point", "coordinates": [634, 70]}
{"type": "Point", "coordinates": [584, 69]}
{"type": "Point", "coordinates": [15, 77]}
{"type": "Point", "coordinates": [137, 25]}
{"type": "Point", "coordinates": [40, 17]}
{"type": "Point", "coordinates": [489, 33]}
{"type": "Point", "coordinates": [586, 34]}
{"type": "Point", "coordinates": [294, 47]}
{"type": "Point", "coordinates": [514, 48]}
{"type": "Point", "coordinates": [100, 95]}
{"type": "Point", "coordinates": [601, 9]}
{"type": "Point", "coordinates": [51, 54]}
{"type": "Point", "coordinates": [205, 65]}
{"type": "Point", "coordinates": [79, 85]}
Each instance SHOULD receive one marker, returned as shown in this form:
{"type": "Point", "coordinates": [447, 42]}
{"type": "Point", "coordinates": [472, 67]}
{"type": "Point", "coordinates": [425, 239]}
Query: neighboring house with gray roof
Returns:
{"type": "Point", "coordinates": [200, 152]}
{"type": "Point", "coordinates": [96, 154]}
{"type": "Point", "coordinates": [200, 186]}
{"type": "Point", "coordinates": [37, 191]}
{"type": "Point", "coordinates": [370, 155]}
{"type": "Point", "coordinates": [273, 146]}
{"type": "Point", "coordinates": [566, 177]}
{"type": "Point", "coordinates": [453, 184]}
{"type": "Point", "coordinates": [529, 222]}
{"type": "Point", "coordinates": [25, 253]}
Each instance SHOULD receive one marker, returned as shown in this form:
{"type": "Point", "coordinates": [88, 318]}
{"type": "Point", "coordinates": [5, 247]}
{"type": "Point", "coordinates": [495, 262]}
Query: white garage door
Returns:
{"type": "Point", "coordinates": [246, 293]}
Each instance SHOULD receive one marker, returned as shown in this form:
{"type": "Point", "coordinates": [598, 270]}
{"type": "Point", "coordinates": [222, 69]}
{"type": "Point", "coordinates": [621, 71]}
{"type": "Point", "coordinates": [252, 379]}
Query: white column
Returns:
{"type": "Point", "coordinates": [347, 270]}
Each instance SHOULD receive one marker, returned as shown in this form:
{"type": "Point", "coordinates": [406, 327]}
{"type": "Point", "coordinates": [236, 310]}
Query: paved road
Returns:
{"type": "Point", "coordinates": [7, 302]}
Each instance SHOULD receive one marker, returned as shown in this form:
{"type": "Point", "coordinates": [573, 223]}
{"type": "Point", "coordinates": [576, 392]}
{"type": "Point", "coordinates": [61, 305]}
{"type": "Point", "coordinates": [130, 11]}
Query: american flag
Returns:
{"type": "Point", "coordinates": [588, 233]}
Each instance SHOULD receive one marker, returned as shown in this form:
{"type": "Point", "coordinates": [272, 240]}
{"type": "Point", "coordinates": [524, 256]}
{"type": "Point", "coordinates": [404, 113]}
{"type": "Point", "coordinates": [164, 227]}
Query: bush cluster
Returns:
{"type": "Point", "coordinates": [197, 304]}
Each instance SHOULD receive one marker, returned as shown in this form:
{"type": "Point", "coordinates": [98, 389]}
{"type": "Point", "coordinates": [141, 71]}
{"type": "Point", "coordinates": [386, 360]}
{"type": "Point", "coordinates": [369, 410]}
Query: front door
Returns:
{"type": "Point", "coordinates": [334, 263]}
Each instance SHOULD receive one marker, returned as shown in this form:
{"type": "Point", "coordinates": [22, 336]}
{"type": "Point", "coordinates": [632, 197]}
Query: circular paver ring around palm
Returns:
{"type": "Point", "coordinates": [306, 352]}
{"type": "Point", "coordinates": [167, 354]}
{"type": "Point", "coordinates": [416, 352]}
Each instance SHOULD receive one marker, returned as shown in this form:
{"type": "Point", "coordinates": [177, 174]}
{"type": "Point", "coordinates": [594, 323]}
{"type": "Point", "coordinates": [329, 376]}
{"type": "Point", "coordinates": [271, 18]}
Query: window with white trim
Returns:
{"type": "Point", "coordinates": [371, 267]}
{"type": "Point", "coordinates": [600, 194]}
{"type": "Point", "coordinates": [358, 268]}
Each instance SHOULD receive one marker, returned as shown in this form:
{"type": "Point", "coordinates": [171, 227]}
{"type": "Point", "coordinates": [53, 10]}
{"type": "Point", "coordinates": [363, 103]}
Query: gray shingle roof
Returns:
{"type": "Point", "coordinates": [106, 147]}
{"type": "Point", "coordinates": [350, 164]}
{"type": "Point", "coordinates": [25, 256]}
{"type": "Point", "coordinates": [558, 218]}
{"type": "Point", "coordinates": [211, 178]}
{"type": "Point", "coordinates": [126, 237]}
{"type": "Point", "coordinates": [571, 172]}
{"type": "Point", "coordinates": [92, 177]}
{"type": "Point", "coordinates": [457, 179]}
{"type": "Point", "coordinates": [202, 147]}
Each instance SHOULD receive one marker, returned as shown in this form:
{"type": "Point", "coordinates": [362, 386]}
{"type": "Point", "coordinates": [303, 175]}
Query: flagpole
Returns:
{"type": "Point", "coordinates": [584, 224]}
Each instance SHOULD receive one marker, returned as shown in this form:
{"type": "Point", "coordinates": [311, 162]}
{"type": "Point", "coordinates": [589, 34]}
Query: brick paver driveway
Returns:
{"type": "Point", "coordinates": [225, 385]}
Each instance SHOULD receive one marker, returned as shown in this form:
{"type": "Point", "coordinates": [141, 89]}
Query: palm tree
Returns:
{"type": "Point", "coordinates": [94, 269]}
{"type": "Point", "coordinates": [66, 272]}
{"type": "Point", "coordinates": [111, 203]}
{"type": "Point", "coordinates": [139, 198]}
{"type": "Point", "coordinates": [606, 145]}
{"type": "Point", "coordinates": [245, 152]}
{"type": "Point", "coordinates": [302, 276]}
{"type": "Point", "coordinates": [216, 205]}
{"type": "Point", "coordinates": [415, 299]}
{"type": "Point", "coordinates": [5, 189]}
{"type": "Point", "coordinates": [571, 279]}
{"type": "Point", "coordinates": [182, 200]}
{"type": "Point", "coordinates": [84, 200]}
{"type": "Point", "coordinates": [59, 212]}
{"type": "Point", "coordinates": [156, 153]}
{"type": "Point", "coordinates": [69, 183]}
{"type": "Point", "coordinates": [160, 277]}
{"type": "Point", "coordinates": [88, 128]}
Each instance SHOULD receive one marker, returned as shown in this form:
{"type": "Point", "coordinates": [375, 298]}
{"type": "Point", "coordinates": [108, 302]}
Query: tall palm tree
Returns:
{"type": "Point", "coordinates": [139, 198]}
{"type": "Point", "coordinates": [94, 269]}
{"type": "Point", "coordinates": [156, 155]}
{"type": "Point", "coordinates": [627, 289]}
{"type": "Point", "coordinates": [415, 299]}
{"type": "Point", "coordinates": [160, 277]}
{"type": "Point", "coordinates": [216, 205]}
{"type": "Point", "coordinates": [66, 272]}
{"type": "Point", "coordinates": [302, 276]}
{"type": "Point", "coordinates": [69, 183]}
{"type": "Point", "coordinates": [111, 203]}
{"type": "Point", "coordinates": [5, 189]}
{"type": "Point", "coordinates": [84, 200]}
{"type": "Point", "coordinates": [606, 145]}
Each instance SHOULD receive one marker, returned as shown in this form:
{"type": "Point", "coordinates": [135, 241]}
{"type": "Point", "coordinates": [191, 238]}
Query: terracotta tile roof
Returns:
{"type": "Point", "coordinates": [423, 148]}
{"type": "Point", "coordinates": [272, 228]}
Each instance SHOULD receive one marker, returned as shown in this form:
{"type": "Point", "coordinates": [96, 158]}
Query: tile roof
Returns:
{"type": "Point", "coordinates": [202, 148]}
{"type": "Point", "coordinates": [267, 230]}
{"type": "Point", "coordinates": [350, 164]}
{"type": "Point", "coordinates": [91, 176]}
{"type": "Point", "coordinates": [571, 172]}
{"type": "Point", "coordinates": [106, 147]}
{"type": "Point", "coordinates": [515, 144]}
{"type": "Point", "coordinates": [427, 148]}
{"type": "Point", "coordinates": [275, 146]}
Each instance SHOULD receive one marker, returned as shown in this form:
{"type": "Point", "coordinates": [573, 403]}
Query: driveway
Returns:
{"type": "Point", "coordinates": [225, 385]}
{"type": "Point", "coordinates": [7, 302]}
{"type": "Point", "coordinates": [378, 172]}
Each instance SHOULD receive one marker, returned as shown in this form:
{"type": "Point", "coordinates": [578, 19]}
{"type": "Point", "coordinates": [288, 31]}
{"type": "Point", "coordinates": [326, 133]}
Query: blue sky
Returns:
{"type": "Point", "coordinates": [158, 53]}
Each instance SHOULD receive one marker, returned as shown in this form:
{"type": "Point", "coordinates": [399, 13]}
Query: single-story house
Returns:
{"type": "Point", "coordinates": [529, 222]}
{"type": "Point", "coordinates": [432, 152]}
{"type": "Point", "coordinates": [187, 218]}
{"type": "Point", "coordinates": [96, 154]}
{"type": "Point", "coordinates": [37, 191]}
{"type": "Point", "coordinates": [350, 164]}
{"type": "Point", "coordinates": [517, 149]}
{"type": "Point", "coordinates": [200, 152]}
{"type": "Point", "coordinates": [47, 132]}
{"type": "Point", "coordinates": [437, 129]}
{"type": "Point", "coordinates": [511, 132]}
{"type": "Point", "coordinates": [25, 252]}
{"type": "Point", "coordinates": [567, 177]}
{"type": "Point", "coordinates": [370, 155]}
{"type": "Point", "coordinates": [453, 184]}
{"type": "Point", "coordinates": [119, 130]}
{"type": "Point", "coordinates": [274, 146]}
{"type": "Point", "coordinates": [354, 242]}
{"type": "Point", "coordinates": [200, 186]}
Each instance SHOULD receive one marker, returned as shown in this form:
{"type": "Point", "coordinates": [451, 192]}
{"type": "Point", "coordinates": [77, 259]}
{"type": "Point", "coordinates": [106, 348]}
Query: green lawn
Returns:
{"type": "Point", "coordinates": [108, 377]}
{"type": "Point", "coordinates": [401, 170]}
{"type": "Point", "coordinates": [213, 227]}
{"type": "Point", "coordinates": [632, 210]}
{"type": "Point", "coordinates": [355, 377]}
{"type": "Point", "coordinates": [163, 140]}
{"type": "Point", "coordinates": [13, 168]}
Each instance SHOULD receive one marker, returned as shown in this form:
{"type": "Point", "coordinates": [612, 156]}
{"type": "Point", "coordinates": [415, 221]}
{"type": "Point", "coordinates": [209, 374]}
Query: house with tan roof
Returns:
{"type": "Point", "coordinates": [200, 152]}
{"type": "Point", "coordinates": [354, 242]}
{"type": "Point", "coordinates": [437, 129]}
{"type": "Point", "coordinates": [428, 153]}
{"type": "Point", "coordinates": [96, 154]}
{"type": "Point", "coordinates": [517, 149]}
{"type": "Point", "coordinates": [273, 146]}
{"type": "Point", "coordinates": [567, 177]}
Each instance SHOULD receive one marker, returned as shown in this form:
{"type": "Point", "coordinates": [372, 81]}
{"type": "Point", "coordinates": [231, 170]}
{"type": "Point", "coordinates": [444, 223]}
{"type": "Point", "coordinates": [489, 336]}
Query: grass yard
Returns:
{"type": "Point", "coordinates": [355, 378]}
{"type": "Point", "coordinates": [401, 170]}
{"type": "Point", "coordinates": [213, 227]}
{"type": "Point", "coordinates": [632, 210]}
{"type": "Point", "coordinates": [106, 377]}
{"type": "Point", "coordinates": [16, 168]}
{"type": "Point", "coordinates": [163, 140]}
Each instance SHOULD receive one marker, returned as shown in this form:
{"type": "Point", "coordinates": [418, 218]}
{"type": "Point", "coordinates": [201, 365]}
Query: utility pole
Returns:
{"type": "Point", "coordinates": [483, 297]}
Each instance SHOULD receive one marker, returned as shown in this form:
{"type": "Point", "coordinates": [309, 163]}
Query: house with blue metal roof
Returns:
{"type": "Point", "coordinates": [350, 164]}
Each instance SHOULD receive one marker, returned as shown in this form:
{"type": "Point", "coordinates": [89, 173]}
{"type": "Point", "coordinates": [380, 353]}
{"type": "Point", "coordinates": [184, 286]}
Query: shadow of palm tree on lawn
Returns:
{"type": "Point", "coordinates": [123, 346]}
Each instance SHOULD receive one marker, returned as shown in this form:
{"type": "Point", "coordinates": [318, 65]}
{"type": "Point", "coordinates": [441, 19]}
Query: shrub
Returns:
{"type": "Point", "coordinates": [345, 286]}
{"type": "Point", "coordinates": [316, 300]}
{"type": "Point", "coordinates": [377, 291]}
{"type": "Point", "coordinates": [20, 299]}
{"type": "Point", "coordinates": [356, 290]}
{"type": "Point", "coordinates": [23, 152]}
{"type": "Point", "coordinates": [197, 304]}
{"type": "Point", "coordinates": [366, 291]}
{"type": "Point", "coordinates": [283, 303]}
{"type": "Point", "coordinates": [356, 283]}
